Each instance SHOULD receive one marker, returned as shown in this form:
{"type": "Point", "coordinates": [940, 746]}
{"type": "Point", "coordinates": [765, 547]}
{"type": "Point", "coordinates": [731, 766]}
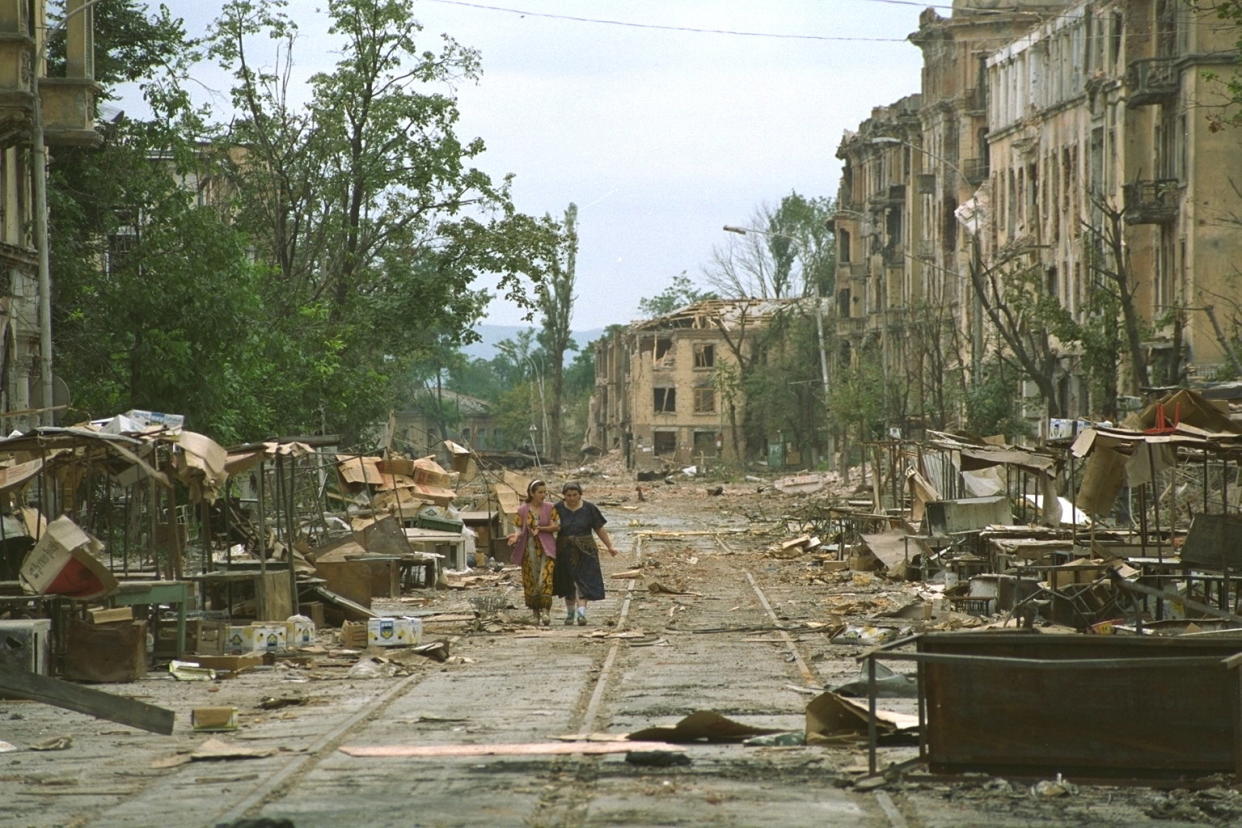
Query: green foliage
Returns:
{"type": "Point", "coordinates": [992, 403]}
{"type": "Point", "coordinates": [678, 294]}
{"type": "Point", "coordinates": [1230, 12]}
{"type": "Point", "coordinates": [786, 393]}
{"type": "Point", "coordinates": [807, 221]}
{"type": "Point", "coordinates": [858, 393]}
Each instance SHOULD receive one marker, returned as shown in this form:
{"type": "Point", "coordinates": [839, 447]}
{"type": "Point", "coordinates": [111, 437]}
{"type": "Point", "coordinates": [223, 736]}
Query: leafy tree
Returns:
{"type": "Point", "coordinates": [177, 295]}
{"type": "Point", "coordinates": [991, 405]}
{"type": "Point", "coordinates": [680, 293]}
{"type": "Point", "coordinates": [556, 302]}
{"type": "Point", "coordinates": [787, 253]}
{"type": "Point", "coordinates": [364, 203]}
{"type": "Point", "coordinates": [1230, 12]}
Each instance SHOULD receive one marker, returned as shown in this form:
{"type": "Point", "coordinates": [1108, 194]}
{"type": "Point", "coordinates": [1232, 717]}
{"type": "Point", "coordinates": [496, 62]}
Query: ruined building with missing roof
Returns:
{"type": "Point", "coordinates": [662, 386]}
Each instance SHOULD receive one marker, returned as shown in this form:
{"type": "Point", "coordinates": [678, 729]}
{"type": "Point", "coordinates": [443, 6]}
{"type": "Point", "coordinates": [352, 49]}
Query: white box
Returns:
{"type": "Point", "coordinates": [26, 644]}
{"type": "Point", "coordinates": [301, 632]}
{"type": "Point", "coordinates": [258, 638]}
{"type": "Point", "coordinates": [394, 632]}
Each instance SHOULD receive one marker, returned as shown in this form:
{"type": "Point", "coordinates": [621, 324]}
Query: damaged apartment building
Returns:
{"type": "Point", "coordinates": [662, 386]}
{"type": "Point", "coordinates": [1048, 152]}
{"type": "Point", "coordinates": [61, 110]}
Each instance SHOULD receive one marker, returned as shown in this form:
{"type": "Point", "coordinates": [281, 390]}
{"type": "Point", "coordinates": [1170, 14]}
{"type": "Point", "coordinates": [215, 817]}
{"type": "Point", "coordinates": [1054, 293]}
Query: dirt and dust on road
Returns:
{"type": "Point", "coordinates": [709, 609]}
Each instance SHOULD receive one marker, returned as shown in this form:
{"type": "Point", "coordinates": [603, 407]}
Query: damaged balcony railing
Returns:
{"type": "Point", "coordinates": [1152, 201]}
{"type": "Point", "coordinates": [1152, 81]}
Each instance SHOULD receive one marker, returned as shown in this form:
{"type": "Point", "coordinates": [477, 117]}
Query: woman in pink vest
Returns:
{"type": "Point", "coordinates": [533, 547]}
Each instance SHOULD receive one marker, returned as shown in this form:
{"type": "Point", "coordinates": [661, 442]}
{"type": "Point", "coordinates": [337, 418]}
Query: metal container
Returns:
{"type": "Point", "coordinates": [1079, 704]}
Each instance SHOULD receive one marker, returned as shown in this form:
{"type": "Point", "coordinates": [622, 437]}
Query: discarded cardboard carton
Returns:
{"type": "Point", "coordinates": [394, 632]}
{"type": "Point", "coordinates": [354, 635]}
{"type": "Point", "coordinates": [831, 717]}
{"type": "Point", "coordinates": [109, 615]}
{"type": "Point", "coordinates": [210, 719]}
{"type": "Point", "coordinates": [257, 638]}
{"type": "Point", "coordinates": [105, 652]}
{"type": "Point", "coordinates": [301, 631]}
{"type": "Point", "coordinates": [64, 562]}
{"type": "Point", "coordinates": [201, 636]}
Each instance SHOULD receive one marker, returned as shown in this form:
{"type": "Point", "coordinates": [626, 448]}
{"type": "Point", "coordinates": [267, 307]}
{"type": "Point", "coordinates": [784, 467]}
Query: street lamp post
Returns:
{"type": "Point", "coordinates": [543, 406]}
{"type": "Point", "coordinates": [819, 305]}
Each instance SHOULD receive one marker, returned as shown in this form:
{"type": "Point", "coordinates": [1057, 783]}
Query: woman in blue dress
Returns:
{"type": "Point", "coordinates": [578, 578]}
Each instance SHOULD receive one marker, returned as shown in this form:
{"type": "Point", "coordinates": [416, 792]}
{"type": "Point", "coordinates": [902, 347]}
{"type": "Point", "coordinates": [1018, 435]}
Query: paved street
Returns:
{"type": "Point", "coordinates": [713, 648]}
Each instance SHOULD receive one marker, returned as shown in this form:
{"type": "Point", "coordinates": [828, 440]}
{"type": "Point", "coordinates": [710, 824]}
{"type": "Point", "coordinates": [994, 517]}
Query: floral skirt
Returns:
{"type": "Point", "coordinates": [538, 576]}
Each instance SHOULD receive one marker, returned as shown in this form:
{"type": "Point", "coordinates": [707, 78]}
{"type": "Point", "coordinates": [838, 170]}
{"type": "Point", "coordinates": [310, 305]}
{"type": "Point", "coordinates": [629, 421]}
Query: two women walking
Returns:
{"type": "Point", "coordinates": [558, 555]}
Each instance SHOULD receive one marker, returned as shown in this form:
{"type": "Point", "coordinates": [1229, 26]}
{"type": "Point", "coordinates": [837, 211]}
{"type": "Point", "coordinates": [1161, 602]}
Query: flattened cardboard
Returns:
{"type": "Point", "coordinates": [701, 726]}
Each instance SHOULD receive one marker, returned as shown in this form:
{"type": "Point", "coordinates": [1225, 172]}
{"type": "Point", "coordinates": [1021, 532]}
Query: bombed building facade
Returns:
{"type": "Point", "coordinates": [1062, 163]}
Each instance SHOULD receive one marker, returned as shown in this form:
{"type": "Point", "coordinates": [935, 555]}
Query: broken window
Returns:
{"type": "Point", "coordinates": [665, 400]}
{"type": "Point", "coordinates": [706, 443]}
{"type": "Point", "coordinates": [664, 442]}
{"type": "Point", "coordinates": [704, 355]}
{"type": "Point", "coordinates": [664, 352]}
{"type": "Point", "coordinates": [705, 401]}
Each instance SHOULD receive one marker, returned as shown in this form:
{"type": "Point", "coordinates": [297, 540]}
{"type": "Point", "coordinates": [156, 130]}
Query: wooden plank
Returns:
{"type": "Point", "coordinates": [524, 749]}
{"type": "Point", "coordinates": [85, 700]}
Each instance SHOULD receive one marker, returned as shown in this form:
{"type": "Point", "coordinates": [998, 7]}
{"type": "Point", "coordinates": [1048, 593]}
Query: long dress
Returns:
{"type": "Point", "coordinates": [538, 569]}
{"type": "Point", "coordinates": [578, 574]}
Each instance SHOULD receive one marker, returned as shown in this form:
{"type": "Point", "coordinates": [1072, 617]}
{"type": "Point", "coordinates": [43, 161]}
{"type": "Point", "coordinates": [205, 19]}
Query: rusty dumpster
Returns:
{"type": "Point", "coordinates": [1100, 706]}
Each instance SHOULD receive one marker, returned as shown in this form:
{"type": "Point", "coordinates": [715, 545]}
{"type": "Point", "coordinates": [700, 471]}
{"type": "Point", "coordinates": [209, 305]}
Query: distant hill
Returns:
{"type": "Point", "coordinates": [494, 334]}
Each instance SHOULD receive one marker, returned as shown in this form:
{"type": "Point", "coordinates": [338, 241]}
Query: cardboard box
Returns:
{"type": "Point", "coordinates": [212, 719]}
{"type": "Point", "coordinates": [394, 632]}
{"type": "Point", "coordinates": [301, 632]}
{"type": "Point", "coordinates": [109, 615]}
{"type": "Point", "coordinates": [106, 652]}
{"type": "Point", "coordinates": [201, 637]}
{"type": "Point", "coordinates": [64, 562]}
{"type": "Point", "coordinates": [354, 635]}
{"type": "Point", "coordinates": [257, 638]}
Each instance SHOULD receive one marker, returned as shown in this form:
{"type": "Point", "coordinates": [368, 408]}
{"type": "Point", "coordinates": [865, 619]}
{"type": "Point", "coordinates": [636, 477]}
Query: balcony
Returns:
{"type": "Point", "coordinates": [69, 111]}
{"type": "Point", "coordinates": [851, 271]}
{"type": "Point", "coordinates": [975, 101]}
{"type": "Point", "coordinates": [894, 254]}
{"type": "Point", "coordinates": [851, 327]}
{"type": "Point", "coordinates": [889, 198]}
{"type": "Point", "coordinates": [1152, 201]}
{"type": "Point", "coordinates": [1152, 81]}
{"type": "Point", "coordinates": [975, 170]}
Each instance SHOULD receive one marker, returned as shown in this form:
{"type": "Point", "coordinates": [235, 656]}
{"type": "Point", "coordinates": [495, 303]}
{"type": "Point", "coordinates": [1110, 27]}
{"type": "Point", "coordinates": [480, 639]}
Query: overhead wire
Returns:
{"type": "Point", "coordinates": [1044, 12]}
{"type": "Point", "coordinates": [669, 28]}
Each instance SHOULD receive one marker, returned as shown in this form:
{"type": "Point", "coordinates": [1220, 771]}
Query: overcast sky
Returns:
{"type": "Point", "coordinates": [660, 137]}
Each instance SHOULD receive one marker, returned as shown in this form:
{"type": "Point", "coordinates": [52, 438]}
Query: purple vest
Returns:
{"type": "Point", "coordinates": [546, 539]}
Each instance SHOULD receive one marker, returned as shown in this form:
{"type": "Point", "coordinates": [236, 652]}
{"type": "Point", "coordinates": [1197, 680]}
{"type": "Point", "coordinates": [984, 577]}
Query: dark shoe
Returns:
{"type": "Point", "coordinates": [569, 620]}
{"type": "Point", "coordinates": [582, 619]}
